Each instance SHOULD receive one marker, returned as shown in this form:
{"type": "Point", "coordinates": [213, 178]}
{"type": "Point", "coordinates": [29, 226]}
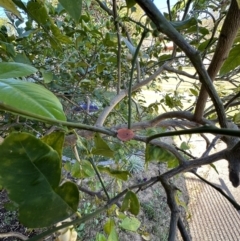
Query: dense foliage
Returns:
{"type": "Point", "coordinates": [77, 86]}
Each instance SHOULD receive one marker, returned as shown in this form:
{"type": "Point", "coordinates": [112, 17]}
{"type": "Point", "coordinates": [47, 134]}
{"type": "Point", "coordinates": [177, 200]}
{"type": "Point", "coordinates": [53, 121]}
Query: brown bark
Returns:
{"type": "Point", "coordinates": [225, 42]}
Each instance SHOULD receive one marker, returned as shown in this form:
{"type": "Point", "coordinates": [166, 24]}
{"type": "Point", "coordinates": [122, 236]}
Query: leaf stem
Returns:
{"type": "Point", "coordinates": [99, 177]}
{"type": "Point", "coordinates": [37, 117]}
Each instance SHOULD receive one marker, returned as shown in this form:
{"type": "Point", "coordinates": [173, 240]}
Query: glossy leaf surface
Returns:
{"type": "Point", "coordinates": [30, 171]}
{"type": "Point", "coordinates": [13, 70]}
{"type": "Point", "coordinates": [30, 97]}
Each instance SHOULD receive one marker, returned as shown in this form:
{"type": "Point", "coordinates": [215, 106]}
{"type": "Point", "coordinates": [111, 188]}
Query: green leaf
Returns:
{"type": "Point", "coordinates": [169, 101]}
{"type": "Point", "coordinates": [101, 147]}
{"type": "Point", "coordinates": [55, 140]}
{"type": "Point", "coordinates": [172, 162]}
{"type": "Point", "coordinates": [113, 235]}
{"type": "Point", "coordinates": [31, 97]}
{"type": "Point", "coordinates": [164, 57]}
{"type": "Point", "coordinates": [22, 58]}
{"type": "Point", "coordinates": [108, 226]}
{"type": "Point", "coordinates": [30, 171]}
{"type": "Point", "coordinates": [59, 36]}
{"type": "Point", "coordinates": [47, 76]}
{"type": "Point", "coordinates": [238, 2]}
{"type": "Point", "coordinates": [156, 153]}
{"type": "Point", "coordinates": [13, 70]}
{"type": "Point", "coordinates": [110, 39]}
{"type": "Point", "coordinates": [73, 7]}
{"type": "Point", "coordinates": [236, 118]}
{"type": "Point", "coordinates": [122, 175]}
{"type": "Point", "coordinates": [38, 12]}
{"type": "Point", "coordinates": [82, 170]}
{"type": "Point", "coordinates": [232, 61]}
{"type": "Point", "coordinates": [184, 146]}
{"type": "Point", "coordinates": [130, 203]}
{"type": "Point", "coordinates": [194, 92]}
{"type": "Point", "coordinates": [131, 224]}
{"type": "Point", "coordinates": [100, 68]}
{"type": "Point", "coordinates": [100, 237]}
{"type": "Point", "coordinates": [130, 3]}
{"type": "Point", "coordinates": [180, 25]}
{"type": "Point", "coordinates": [10, 6]}
{"type": "Point", "coordinates": [214, 167]}
{"type": "Point", "coordinates": [9, 48]}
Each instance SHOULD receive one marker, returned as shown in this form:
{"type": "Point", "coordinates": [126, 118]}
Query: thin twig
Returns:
{"type": "Point", "coordinates": [232, 201]}
{"type": "Point", "coordinates": [13, 234]}
{"type": "Point", "coordinates": [99, 177]}
{"type": "Point", "coordinates": [131, 78]}
{"type": "Point", "coordinates": [115, 16]}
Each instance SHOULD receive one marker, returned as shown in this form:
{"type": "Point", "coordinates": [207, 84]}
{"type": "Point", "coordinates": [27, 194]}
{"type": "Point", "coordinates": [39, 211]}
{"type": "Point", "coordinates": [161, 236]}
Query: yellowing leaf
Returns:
{"type": "Point", "coordinates": [113, 235]}
{"type": "Point", "coordinates": [131, 224]}
{"type": "Point", "coordinates": [10, 6]}
{"type": "Point", "coordinates": [101, 147]}
{"type": "Point", "coordinates": [108, 226]}
{"type": "Point", "coordinates": [30, 171]}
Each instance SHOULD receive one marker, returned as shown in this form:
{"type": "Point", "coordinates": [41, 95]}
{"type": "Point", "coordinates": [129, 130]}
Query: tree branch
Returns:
{"type": "Point", "coordinates": [13, 234]}
{"type": "Point", "coordinates": [165, 27]}
{"type": "Point", "coordinates": [171, 192]}
{"type": "Point", "coordinates": [102, 117]}
{"type": "Point", "coordinates": [226, 38]}
{"type": "Point", "coordinates": [232, 201]}
{"type": "Point", "coordinates": [183, 230]}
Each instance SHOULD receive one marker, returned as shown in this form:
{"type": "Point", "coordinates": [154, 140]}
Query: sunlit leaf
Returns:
{"type": "Point", "coordinates": [13, 70]}
{"type": "Point", "coordinates": [236, 118]}
{"type": "Point", "coordinates": [232, 61]}
{"type": "Point", "coordinates": [214, 167]}
{"type": "Point", "coordinates": [55, 140]}
{"type": "Point", "coordinates": [108, 226]}
{"type": "Point", "coordinates": [30, 97]}
{"type": "Point", "coordinates": [194, 92]}
{"type": "Point", "coordinates": [130, 3]}
{"type": "Point", "coordinates": [113, 235]}
{"type": "Point", "coordinates": [131, 224]}
{"type": "Point", "coordinates": [184, 146]}
{"type": "Point", "coordinates": [10, 6]}
{"type": "Point", "coordinates": [100, 237]}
